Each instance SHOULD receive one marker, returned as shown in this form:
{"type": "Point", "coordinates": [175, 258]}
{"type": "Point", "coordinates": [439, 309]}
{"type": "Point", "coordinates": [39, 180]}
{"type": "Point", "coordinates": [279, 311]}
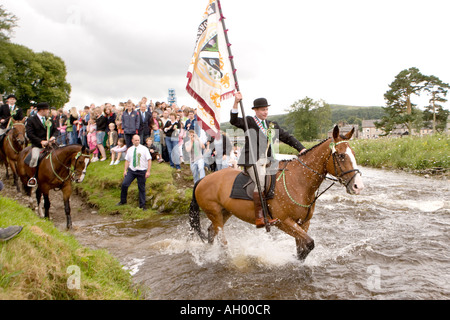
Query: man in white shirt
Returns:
{"type": "Point", "coordinates": [138, 163]}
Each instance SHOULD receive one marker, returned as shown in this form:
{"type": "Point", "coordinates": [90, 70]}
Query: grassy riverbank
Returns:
{"type": "Point", "coordinates": [38, 263]}
{"type": "Point", "coordinates": [420, 154]}
{"type": "Point", "coordinates": [416, 154]}
{"type": "Point", "coordinates": [168, 191]}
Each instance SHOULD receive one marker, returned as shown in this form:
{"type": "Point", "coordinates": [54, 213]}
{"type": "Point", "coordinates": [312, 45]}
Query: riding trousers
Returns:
{"type": "Point", "coordinates": [261, 167]}
{"type": "Point", "coordinates": [35, 152]}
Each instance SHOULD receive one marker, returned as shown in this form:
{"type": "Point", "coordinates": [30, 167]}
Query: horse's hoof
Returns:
{"type": "Point", "coordinates": [303, 252]}
{"type": "Point", "coordinates": [310, 245]}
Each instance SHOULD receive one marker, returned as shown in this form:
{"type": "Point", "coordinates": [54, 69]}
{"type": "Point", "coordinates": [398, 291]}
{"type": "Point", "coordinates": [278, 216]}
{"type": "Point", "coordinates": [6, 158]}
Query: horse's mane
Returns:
{"type": "Point", "coordinates": [310, 149]}
{"type": "Point", "coordinates": [317, 145]}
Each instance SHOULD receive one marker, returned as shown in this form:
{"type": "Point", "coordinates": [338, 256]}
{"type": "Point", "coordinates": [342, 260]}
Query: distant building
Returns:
{"type": "Point", "coordinates": [369, 131]}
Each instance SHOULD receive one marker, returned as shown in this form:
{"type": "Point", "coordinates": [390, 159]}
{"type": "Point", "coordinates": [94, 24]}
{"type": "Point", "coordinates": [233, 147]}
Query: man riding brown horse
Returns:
{"type": "Point", "coordinates": [258, 147]}
{"type": "Point", "coordinates": [41, 132]}
{"type": "Point", "coordinates": [9, 111]}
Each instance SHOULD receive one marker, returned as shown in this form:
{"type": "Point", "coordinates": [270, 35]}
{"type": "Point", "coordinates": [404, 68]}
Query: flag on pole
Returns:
{"type": "Point", "coordinates": [210, 75]}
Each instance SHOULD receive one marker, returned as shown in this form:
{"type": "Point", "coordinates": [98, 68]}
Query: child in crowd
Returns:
{"type": "Point", "coordinates": [92, 139]}
{"type": "Point", "coordinates": [112, 136]}
{"type": "Point", "coordinates": [62, 133]}
{"type": "Point", "coordinates": [118, 151]}
{"type": "Point", "coordinates": [153, 151]}
{"type": "Point", "coordinates": [157, 138]}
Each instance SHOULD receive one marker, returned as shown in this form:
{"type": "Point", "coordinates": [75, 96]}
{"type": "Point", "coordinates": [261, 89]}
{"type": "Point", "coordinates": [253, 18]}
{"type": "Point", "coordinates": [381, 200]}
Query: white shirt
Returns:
{"type": "Point", "coordinates": [142, 157]}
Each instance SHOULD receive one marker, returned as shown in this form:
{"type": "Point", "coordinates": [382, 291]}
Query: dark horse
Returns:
{"type": "Point", "coordinates": [56, 170]}
{"type": "Point", "coordinates": [11, 144]}
{"type": "Point", "coordinates": [295, 191]}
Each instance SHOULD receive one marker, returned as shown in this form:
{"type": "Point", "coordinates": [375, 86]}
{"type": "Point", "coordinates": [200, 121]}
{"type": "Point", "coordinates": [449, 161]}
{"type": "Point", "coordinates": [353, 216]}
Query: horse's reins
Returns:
{"type": "Point", "coordinates": [9, 140]}
{"type": "Point", "coordinates": [339, 178]}
{"type": "Point", "coordinates": [336, 162]}
{"type": "Point", "coordinates": [71, 171]}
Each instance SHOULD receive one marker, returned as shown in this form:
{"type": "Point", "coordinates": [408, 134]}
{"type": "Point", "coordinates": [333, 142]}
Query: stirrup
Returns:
{"type": "Point", "coordinates": [260, 223]}
{"type": "Point", "coordinates": [32, 182]}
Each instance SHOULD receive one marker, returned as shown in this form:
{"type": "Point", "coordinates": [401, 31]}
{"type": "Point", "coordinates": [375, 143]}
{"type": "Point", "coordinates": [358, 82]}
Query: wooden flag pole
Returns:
{"type": "Point", "coordinates": [258, 183]}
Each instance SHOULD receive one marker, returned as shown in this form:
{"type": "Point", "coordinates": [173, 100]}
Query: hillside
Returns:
{"type": "Point", "coordinates": [349, 114]}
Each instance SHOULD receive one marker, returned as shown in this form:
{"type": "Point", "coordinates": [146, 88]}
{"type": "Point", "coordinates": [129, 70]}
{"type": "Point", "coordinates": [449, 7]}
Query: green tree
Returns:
{"type": "Point", "coordinates": [310, 119]}
{"type": "Point", "coordinates": [435, 116]}
{"type": "Point", "coordinates": [30, 76]}
{"type": "Point", "coordinates": [8, 22]}
{"type": "Point", "coordinates": [399, 109]}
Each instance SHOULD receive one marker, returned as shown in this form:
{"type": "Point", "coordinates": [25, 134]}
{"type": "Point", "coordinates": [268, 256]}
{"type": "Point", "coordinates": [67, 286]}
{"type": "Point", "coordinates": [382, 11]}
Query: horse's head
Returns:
{"type": "Point", "coordinates": [342, 163]}
{"type": "Point", "coordinates": [80, 164]}
{"type": "Point", "coordinates": [18, 132]}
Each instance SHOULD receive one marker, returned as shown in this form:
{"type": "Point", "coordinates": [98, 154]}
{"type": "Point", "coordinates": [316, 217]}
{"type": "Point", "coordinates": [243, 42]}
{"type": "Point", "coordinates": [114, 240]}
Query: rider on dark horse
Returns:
{"type": "Point", "coordinates": [41, 132]}
{"type": "Point", "coordinates": [258, 147]}
{"type": "Point", "coordinates": [9, 110]}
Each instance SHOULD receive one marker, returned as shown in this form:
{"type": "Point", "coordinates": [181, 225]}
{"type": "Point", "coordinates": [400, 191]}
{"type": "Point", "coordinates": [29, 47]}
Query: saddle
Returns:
{"type": "Point", "coordinates": [243, 187]}
{"type": "Point", "coordinates": [42, 155]}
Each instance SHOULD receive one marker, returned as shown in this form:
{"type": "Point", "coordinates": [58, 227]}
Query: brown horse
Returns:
{"type": "Point", "coordinates": [56, 170]}
{"type": "Point", "coordinates": [295, 191]}
{"type": "Point", "coordinates": [12, 143]}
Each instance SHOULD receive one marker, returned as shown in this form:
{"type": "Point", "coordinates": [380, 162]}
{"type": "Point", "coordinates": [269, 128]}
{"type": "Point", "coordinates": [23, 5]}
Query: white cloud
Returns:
{"type": "Point", "coordinates": [345, 52]}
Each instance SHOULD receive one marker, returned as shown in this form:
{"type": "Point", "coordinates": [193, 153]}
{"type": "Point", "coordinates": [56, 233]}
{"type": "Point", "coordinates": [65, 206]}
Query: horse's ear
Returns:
{"type": "Point", "coordinates": [349, 134]}
{"type": "Point", "coordinates": [83, 149]}
{"type": "Point", "coordinates": [335, 132]}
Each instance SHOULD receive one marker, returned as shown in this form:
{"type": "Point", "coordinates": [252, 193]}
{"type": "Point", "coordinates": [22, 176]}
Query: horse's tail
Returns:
{"type": "Point", "coordinates": [194, 215]}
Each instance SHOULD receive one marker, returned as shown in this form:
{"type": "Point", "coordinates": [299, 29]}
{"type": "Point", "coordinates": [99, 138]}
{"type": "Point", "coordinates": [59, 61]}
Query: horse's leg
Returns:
{"type": "Point", "coordinates": [13, 166]}
{"type": "Point", "coordinates": [7, 172]}
{"type": "Point", "coordinates": [305, 244]}
{"type": "Point", "coordinates": [38, 199]}
{"type": "Point", "coordinates": [47, 205]}
{"type": "Point", "coordinates": [213, 231]}
{"type": "Point", "coordinates": [215, 213]}
{"type": "Point", "coordinates": [67, 191]}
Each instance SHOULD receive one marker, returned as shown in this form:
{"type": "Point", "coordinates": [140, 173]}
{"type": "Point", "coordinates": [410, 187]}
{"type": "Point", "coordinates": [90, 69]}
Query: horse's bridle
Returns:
{"type": "Point", "coordinates": [336, 165]}
{"type": "Point", "coordinates": [339, 177]}
{"type": "Point", "coordinates": [9, 139]}
{"type": "Point", "coordinates": [71, 171]}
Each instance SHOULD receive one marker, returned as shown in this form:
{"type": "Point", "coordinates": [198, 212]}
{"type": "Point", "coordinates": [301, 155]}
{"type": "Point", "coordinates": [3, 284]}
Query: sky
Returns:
{"type": "Point", "coordinates": [343, 52]}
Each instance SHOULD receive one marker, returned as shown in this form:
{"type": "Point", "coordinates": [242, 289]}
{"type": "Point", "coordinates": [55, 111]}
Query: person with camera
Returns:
{"type": "Point", "coordinates": [172, 130]}
{"type": "Point", "coordinates": [194, 148]}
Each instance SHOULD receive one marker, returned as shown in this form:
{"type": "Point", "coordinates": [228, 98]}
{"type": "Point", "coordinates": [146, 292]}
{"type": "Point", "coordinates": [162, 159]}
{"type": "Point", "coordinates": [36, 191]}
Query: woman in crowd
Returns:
{"type": "Point", "coordinates": [72, 126]}
{"type": "Point", "coordinates": [92, 139]}
{"type": "Point", "coordinates": [101, 123]}
{"type": "Point", "coordinates": [171, 129]}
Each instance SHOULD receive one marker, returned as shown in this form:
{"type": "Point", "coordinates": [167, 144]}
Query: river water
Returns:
{"type": "Point", "coordinates": [391, 242]}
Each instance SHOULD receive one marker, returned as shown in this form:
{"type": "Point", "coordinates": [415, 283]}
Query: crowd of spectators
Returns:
{"type": "Point", "coordinates": [172, 134]}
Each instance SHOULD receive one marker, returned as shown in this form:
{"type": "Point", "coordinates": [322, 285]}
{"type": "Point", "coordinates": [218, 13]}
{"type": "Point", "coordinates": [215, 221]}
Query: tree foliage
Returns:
{"type": "Point", "coordinates": [8, 22]}
{"type": "Point", "coordinates": [310, 119]}
{"type": "Point", "coordinates": [399, 109]}
{"type": "Point", "coordinates": [435, 116]}
{"type": "Point", "coordinates": [38, 77]}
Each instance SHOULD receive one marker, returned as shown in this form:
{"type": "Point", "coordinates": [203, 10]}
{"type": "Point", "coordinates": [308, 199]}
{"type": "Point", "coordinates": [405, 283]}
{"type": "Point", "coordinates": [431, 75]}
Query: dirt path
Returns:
{"type": "Point", "coordinates": [82, 214]}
